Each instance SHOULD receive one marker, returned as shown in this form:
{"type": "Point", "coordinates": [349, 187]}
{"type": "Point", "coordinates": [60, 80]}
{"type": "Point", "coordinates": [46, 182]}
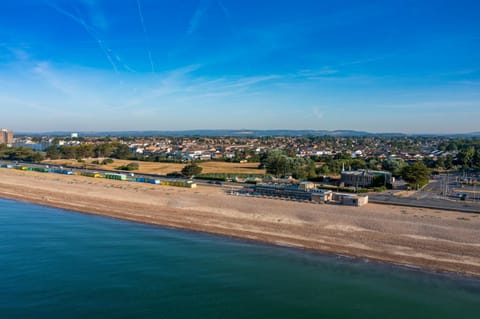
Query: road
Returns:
{"type": "Point", "coordinates": [442, 192]}
{"type": "Point", "coordinates": [420, 200]}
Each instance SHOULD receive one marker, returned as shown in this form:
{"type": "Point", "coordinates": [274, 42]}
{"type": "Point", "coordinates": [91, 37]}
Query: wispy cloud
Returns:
{"type": "Point", "coordinates": [466, 83]}
{"type": "Point", "coordinates": [96, 14]}
{"type": "Point", "coordinates": [181, 87]}
{"type": "Point", "coordinates": [122, 63]}
{"type": "Point", "coordinates": [19, 54]}
{"type": "Point", "coordinates": [450, 105]}
{"type": "Point", "coordinates": [317, 113]}
{"type": "Point", "coordinates": [226, 13]}
{"type": "Point", "coordinates": [314, 74]}
{"type": "Point", "coordinates": [366, 60]}
{"type": "Point", "coordinates": [25, 104]}
{"type": "Point", "coordinates": [145, 33]}
{"type": "Point", "coordinates": [90, 30]}
{"type": "Point", "coordinates": [48, 76]}
{"type": "Point", "coordinates": [199, 14]}
{"type": "Point", "coordinates": [249, 81]}
{"type": "Point", "coordinates": [184, 71]}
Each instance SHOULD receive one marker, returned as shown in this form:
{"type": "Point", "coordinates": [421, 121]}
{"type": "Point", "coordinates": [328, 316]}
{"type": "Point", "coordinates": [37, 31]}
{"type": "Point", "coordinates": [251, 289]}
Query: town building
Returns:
{"type": "Point", "coordinates": [365, 178]}
{"type": "Point", "coordinates": [33, 146]}
{"type": "Point", "coordinates": [6, 136]}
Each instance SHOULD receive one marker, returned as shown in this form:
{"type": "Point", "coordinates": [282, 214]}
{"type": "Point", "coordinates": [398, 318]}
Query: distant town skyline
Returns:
{"type": "Point", "coordinates": [386, 66]}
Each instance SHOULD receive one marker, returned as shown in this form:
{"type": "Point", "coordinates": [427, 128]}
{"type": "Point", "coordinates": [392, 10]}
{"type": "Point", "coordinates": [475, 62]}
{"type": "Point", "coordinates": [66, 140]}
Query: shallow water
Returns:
{"type": "Point", "coordinates": [61, 264]}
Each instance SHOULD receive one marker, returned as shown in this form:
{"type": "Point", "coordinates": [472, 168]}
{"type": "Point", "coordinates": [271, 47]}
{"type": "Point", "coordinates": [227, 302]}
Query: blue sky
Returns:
{"type": "Point", "coordinates": [380, 66]}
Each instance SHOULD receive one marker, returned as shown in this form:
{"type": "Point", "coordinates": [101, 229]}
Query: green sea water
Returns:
{"type": "Point", "coordinates": [60, 264]}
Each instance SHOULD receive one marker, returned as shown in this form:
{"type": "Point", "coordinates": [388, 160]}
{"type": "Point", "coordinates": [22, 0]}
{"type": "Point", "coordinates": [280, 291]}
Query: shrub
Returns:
{"type": "Point", "coordinates": [129, 167]}
{"type": "Point", "coordinates": [107, 161]}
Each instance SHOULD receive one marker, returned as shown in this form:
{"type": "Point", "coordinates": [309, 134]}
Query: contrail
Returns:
{"type": "Point", "coordinates": [227, 15]}
{"type": "Point", "coordinates": [90, 30]}
{"type": "Point", "coordinates": [142, 21]}
{"type": "Point", "coordinates": [126, 66]}
{"type": "Point", "coordinates": [93, 33]}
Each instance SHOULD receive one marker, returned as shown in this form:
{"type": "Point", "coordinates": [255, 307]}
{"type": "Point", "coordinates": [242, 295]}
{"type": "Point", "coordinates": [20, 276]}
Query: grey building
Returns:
{"type": "Point", "coordinates": [365, 178]}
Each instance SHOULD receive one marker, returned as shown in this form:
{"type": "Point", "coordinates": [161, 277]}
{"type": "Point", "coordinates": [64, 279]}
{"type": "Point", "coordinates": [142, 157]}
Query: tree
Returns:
{"type": "Point", "coordinates": [311, 169]}
{"type": "Point", "coordinates": [277, 163]}
{"type": "Point", "coordinates": [441, 162]}
{"type": "Point", "coordinates": [476, 159]}
{"type": "Point", "coordinates": [379, 180]}
{"type": "Point", "coordinates": [323, 170]}
{"type": "Point", "coordinates": [191, 170]}
{"type": "Point", "coordinates": [342, 156]}
{"type": "Point", "coordinates": [466, 157]}
{"type": "Point", "coordinates": [121, 151]}
{"type": "Point", "coordinates": [69, 152]}
{"type": "Point", "coordinates": [103, 150]}
{"type": "Point", "coordinates": [357, 164]}
{"type": "Point", "coordinates": [35, 157]}
{"type": "Point", "coordinates": [416, 174]}
{"type": "Point", "coordinates": [449, 162]}
{"type": "Point", "coordinates": [298, 168]}
{"type": "Point", "coordinates": [452, 146]}
{"type": "Point", "coordinates": [85, 151]}
{"type": "Point", "coordinates": [52, 152]}
{"type": "Point", "coordinates": [394, 166]}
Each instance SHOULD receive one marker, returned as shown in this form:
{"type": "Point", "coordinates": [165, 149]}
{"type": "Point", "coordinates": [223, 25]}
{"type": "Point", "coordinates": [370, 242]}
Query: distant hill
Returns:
{"type": "Point", "coordinates": [473, 134]}
{"type": "Point", "coordinates": [243, 133]}
{"type": "Point", "coordinates": [218, 133]}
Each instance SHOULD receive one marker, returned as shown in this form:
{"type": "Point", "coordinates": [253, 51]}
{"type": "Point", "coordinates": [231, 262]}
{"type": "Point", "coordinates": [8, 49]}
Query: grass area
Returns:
{"type": "Point", "coordinates": [232, 168]}
{"type": "Point", "coordinates": [165, 168]}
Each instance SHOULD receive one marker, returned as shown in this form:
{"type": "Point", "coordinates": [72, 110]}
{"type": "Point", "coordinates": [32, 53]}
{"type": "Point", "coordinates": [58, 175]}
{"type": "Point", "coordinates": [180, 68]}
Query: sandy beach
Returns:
{"type": "Point", "coordinates": [437, 240]}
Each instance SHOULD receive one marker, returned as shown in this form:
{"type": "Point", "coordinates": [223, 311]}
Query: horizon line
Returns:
{"type": "Point", "coordinates": [243, 130]}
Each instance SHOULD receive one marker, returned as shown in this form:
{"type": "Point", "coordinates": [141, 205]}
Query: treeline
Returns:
{"type": "Point", "coordinates": [20, 154]}
{"type": "Point", "coordinates": [333, 165]}
{"type": "Point", "coordinates": [112, 150]}
{"type": "Point", "coordinates": [278, 163]}
{"type": "Point", "coordinates": [468, 154]}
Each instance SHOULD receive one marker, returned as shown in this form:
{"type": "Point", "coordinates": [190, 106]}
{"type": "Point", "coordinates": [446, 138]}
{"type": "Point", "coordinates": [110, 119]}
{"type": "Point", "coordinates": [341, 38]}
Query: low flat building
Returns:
{"type": "Point", "coordinates": [350, 199]}
{"type": "Point", "coordinates": [293, 192]}
{"type": "Point", "coordinates": [306, 185]}
{"type": "Point", "coordinates": [322, 196]}
{"type": "Point", "coordinates": [290, 192]}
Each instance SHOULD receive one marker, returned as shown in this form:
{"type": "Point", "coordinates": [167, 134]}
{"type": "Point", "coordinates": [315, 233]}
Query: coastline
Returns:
{"type": "Point", "coordinates": [412, 237]}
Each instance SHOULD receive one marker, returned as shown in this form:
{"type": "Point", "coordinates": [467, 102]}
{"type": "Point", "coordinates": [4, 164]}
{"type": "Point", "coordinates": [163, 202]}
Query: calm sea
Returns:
{"type": "Point", "coordinates": [60, 264]}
